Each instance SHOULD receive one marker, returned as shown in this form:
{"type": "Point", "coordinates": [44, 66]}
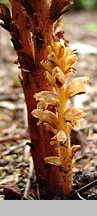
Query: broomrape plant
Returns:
{"type": "Point", "coordinates": [53, 110]}
{"type": "Point", "coordinates": [46, 64]}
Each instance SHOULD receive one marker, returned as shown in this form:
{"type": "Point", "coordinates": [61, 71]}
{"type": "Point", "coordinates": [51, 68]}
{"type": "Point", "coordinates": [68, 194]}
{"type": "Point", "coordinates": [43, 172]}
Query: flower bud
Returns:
{"type": "Point", "coordinates": [58, 74]}
{"type": "Point", "coordinates": [67, 62]}
{"type": "Point", "coordinates": [68, 51]}
{"type": "Point", "coordinates": [48, 65]}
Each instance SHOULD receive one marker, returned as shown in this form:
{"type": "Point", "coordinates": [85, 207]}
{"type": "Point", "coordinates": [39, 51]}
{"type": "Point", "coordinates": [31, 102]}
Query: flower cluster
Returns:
{"type": "Point", "coordinates": [60, 119]}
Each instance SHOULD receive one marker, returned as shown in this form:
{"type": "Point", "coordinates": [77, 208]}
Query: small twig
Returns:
{"type": "Point", "coordinates": [30, 174]}
{"type": "Point", "coordinates": [11, 137]}
{"type": "Point", "coordinates": [84, 187]}
{"type": "Point", "coordinates": [80, 196]}
{"type": "Point", "coordinates": [11, 149]}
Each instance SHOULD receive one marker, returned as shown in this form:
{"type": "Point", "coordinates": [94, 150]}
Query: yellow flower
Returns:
{"type": "Point", "coordinates": [46, 116]}
{"type": "Point", "coordinates": [56, 46]}
{"type": "Point", "coordinates": [73, 116]}
{"type": "Point", "coordinates": [60, 57]}
{"type": "Point", "coordinates": [47, 65]}
{"type": "Point", "coordinates": [67, 62]}
{"type": "Point", "coordinates": [46, 98]}
{"type": "Point", "coordinates": [76, 86]}
{"type": "Point", "coordinates": [58, 75]}
{"type": "Point", "coordinates": [59, 138]}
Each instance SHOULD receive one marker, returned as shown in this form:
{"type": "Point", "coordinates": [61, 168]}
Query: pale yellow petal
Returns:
{"type": "Point", "coordinates": [49, 48]}
{"type": "Point", "coordinates": [59, 138]}
{"type": "Point", "coordinates": [46, 98]}
{"type": "Point", "coordinates": [47, 65]}
{"type": "Point", "coordinates": [42, 105]}
{"type": "Point", "coordinates": [53, 58]}
{"type": "Point", "coordinates": [58, 74]}
{"type": "Point", "coordinates": [68, 51]}
{"type": "Point", "coordinates": [46, 116]}
{"type": "Point", "coordinates": [73, 116]}
{"type": "Point", "coordinates": [50, 128]}
{"type": "Point", "coordinates": [56, 46]}
{"type": "Point", "coordinates": [67, 62]}
{"type": "Point", "coordinates": [49, 77]}
{"type": "Point", "coordinates": [61, 52]}
{"type": "Point", "coordinates": [53, 160]}
{"type": "Point", "coordinates": [76, 86]}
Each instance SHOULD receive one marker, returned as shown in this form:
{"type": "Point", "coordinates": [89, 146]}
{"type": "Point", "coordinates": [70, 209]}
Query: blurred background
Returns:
{"type": "Point", "coordinates": [85, 4]}
{"type": "Point", "coordinates": [80, 26]}
{"type": "Point", "coordinates": [78, 4]}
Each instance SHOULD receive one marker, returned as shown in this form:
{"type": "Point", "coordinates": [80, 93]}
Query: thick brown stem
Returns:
{"type": "Point", "coordinates": [29, 57]}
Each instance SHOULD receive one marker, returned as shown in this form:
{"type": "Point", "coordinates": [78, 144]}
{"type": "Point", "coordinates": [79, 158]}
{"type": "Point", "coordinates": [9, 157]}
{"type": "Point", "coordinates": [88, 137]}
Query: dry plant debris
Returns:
{"type": "Point", "coordinates": [13, 125]}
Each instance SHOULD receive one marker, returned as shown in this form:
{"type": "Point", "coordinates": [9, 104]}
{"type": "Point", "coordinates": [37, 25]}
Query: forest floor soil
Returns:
{"type": "Point", "coordinates": [15, 159]}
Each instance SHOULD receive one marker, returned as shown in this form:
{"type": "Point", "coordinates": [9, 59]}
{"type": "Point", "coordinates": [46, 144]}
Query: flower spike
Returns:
{"type": "Point", "coordinates": [53, 111]}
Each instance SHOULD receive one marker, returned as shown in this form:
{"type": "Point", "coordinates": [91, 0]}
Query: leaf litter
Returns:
{"type": "Point", "coordinates": [15, 160]}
